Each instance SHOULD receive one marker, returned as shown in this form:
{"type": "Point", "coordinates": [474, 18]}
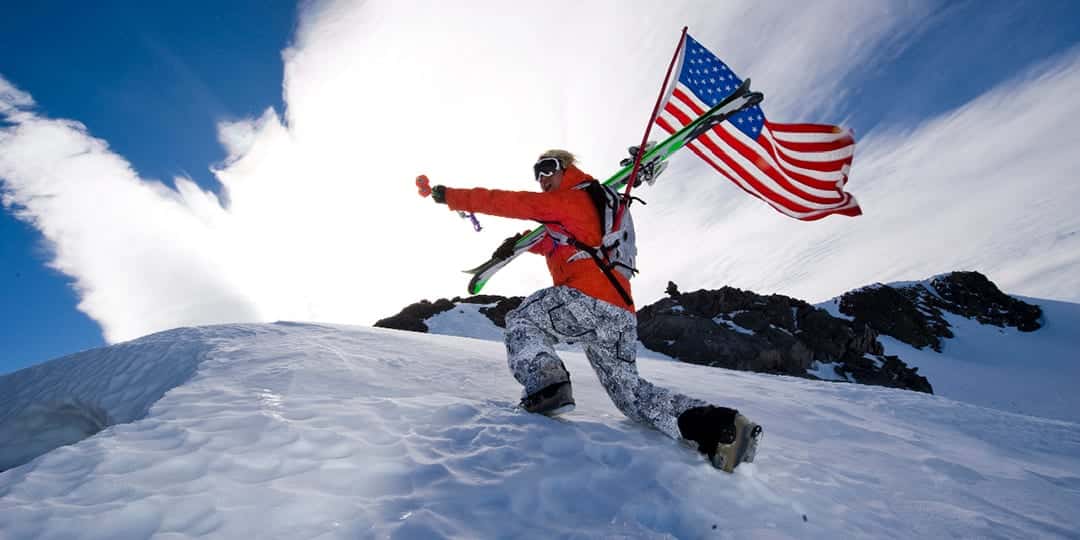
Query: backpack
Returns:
{"type": "Point", "coordinates": [618, 248]}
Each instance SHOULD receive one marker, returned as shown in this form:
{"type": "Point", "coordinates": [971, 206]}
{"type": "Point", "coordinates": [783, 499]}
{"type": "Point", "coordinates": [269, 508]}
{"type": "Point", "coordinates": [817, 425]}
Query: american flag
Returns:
{"type": "Point", "coordinates": [798, 169]}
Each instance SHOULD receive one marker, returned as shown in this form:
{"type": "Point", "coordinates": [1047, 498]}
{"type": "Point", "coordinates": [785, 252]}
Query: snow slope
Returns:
{"type": "Point", "coordinates": [305, 431]}
{"type": "Point", "coordinates": [1035, 373]}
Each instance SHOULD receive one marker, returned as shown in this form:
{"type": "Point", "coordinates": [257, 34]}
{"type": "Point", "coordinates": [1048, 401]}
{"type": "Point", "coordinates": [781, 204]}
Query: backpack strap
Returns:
{"type": "Point", "coordinates": [606, 269]}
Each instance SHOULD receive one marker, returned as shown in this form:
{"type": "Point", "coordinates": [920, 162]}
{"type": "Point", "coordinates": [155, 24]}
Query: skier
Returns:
{"type": "Point", "coordinates": [590, 304]}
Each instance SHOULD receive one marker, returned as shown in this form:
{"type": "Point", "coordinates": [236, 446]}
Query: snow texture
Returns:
{"type": "Point", "coordinates": [465, 320]}
{"type": "Point", "coordinates": [1034, 373]}
{"type": "Point", "coordinates": [305, 431]}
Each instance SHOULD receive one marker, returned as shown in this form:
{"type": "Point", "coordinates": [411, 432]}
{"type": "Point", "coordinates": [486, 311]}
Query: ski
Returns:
{"type": "Point", "coordinates": [651, 163]}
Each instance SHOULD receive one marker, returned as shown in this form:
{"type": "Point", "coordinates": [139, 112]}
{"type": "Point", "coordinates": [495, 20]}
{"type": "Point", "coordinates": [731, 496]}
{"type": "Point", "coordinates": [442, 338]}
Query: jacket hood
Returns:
{"type": "Point", "coordinates": [572, 177]}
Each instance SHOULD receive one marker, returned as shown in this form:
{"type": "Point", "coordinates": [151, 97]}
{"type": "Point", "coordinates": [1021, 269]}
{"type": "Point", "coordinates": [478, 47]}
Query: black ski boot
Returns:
{"type": "Point", "coordinates": [726, 437]}
{"type": "Point", "coordinates": [551, 400]}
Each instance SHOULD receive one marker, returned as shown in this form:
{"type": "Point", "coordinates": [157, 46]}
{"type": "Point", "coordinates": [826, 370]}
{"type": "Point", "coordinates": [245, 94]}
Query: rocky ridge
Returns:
{"type": "Point", "coordinates": [738, 329]}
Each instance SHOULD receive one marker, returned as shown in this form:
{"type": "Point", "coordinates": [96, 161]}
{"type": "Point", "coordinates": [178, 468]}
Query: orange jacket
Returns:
{"type": "Point", "coordinates": [565, 210]}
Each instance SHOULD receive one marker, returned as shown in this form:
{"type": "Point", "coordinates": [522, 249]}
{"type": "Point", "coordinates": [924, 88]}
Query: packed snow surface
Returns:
{"type": "Point", "coordinates": [1035, 373]}
{"type": "Point", "coordinates": [304, 431]}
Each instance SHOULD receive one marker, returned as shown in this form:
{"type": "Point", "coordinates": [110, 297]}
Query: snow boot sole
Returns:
{"type": "Point", "coordinates": [742, 449]}
{"type": "Point", "coordinates": [551, 400]}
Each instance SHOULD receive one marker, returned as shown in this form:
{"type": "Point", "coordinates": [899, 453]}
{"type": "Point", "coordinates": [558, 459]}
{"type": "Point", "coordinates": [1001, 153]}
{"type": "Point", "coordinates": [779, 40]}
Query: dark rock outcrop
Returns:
{"type": "Point", "coordinates": [897, 313]}
{"type": "Point", "coordinates": [412, 317]}
{"type": "Point", "coordinates": [973, 295]}
{"type": "Point", "coordinates": [738, 329]}
{"type": "Point", "coordinates": [497, 313]}
{"type": "Point", "coordinates": [915, 313]}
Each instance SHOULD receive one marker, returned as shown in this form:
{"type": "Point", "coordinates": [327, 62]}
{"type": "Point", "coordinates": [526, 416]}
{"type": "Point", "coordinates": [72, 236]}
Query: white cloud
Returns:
{"type": "Point", "coordinates": [143, 256]}
{"type": "Point", "coordinates": [12, 100]}
{"type": "Point", "coordinates": [321, 222]}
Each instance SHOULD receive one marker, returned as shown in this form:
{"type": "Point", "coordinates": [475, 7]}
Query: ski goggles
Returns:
{"type": "Point", "coordinates": [546, 167]}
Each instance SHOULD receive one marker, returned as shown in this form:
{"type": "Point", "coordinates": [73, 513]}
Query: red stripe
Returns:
{"type": "Point", "coordinates": [689, 102]}
{"type": "Point", "coordinates": [852, 212]}
{"type": "Point", "coordinates": [830, 146]}
{"type": "Point", "coordinates": [683, 119]}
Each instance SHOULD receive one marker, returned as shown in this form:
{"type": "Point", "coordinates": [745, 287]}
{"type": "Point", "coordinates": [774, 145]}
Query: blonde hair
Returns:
{"type": "Point", "coordinates": [565, 158]}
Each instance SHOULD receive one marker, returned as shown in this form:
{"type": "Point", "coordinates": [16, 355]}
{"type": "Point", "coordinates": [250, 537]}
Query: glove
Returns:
{"type": "Point", "coordinates": [423, 186]}
{"type": "Point", "coordinates": [506, 250]}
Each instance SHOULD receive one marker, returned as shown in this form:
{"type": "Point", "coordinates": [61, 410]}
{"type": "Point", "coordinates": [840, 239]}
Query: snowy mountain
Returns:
{"type": "Point", "coordinates": [304, 431]}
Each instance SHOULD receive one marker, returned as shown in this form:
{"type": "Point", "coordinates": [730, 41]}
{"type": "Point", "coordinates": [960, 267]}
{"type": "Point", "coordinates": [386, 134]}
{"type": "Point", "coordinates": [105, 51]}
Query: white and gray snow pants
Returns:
{"type": "Point", "coordinates": [609, 335]}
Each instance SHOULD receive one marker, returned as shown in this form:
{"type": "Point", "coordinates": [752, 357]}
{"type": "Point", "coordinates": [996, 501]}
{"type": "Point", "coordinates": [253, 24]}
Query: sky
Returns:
{"type": "Point", "coordinates": [165, 166]}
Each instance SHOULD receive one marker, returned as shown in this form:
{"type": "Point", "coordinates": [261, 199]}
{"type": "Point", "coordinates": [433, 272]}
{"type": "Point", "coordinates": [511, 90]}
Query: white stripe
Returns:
{"type": "Point", "coordinates": [803, 137]}
{"type": "Point", "coordinates": [828, 155]}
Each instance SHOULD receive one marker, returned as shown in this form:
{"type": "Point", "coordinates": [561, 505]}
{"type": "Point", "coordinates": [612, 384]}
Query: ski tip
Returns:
{"type": "Point", "coordinates": [476, 284]}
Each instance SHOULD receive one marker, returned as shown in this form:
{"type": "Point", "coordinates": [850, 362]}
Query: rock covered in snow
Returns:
{"type": "Point", "coordinates": [415, 316]}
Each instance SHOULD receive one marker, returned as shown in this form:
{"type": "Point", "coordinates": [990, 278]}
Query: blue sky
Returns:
{"type": "Point", "coordinates": [154, 80]}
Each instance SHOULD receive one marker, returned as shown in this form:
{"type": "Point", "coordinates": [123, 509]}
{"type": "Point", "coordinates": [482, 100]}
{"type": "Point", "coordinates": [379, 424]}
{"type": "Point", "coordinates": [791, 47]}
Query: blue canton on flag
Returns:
{"type": "Point", "coordinates": [712, 80]}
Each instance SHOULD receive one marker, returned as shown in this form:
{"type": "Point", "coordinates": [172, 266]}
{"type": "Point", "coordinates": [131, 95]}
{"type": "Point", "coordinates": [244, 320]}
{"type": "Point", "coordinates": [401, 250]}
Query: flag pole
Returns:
{"type": "Point", "coordinates": [648, 128]}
